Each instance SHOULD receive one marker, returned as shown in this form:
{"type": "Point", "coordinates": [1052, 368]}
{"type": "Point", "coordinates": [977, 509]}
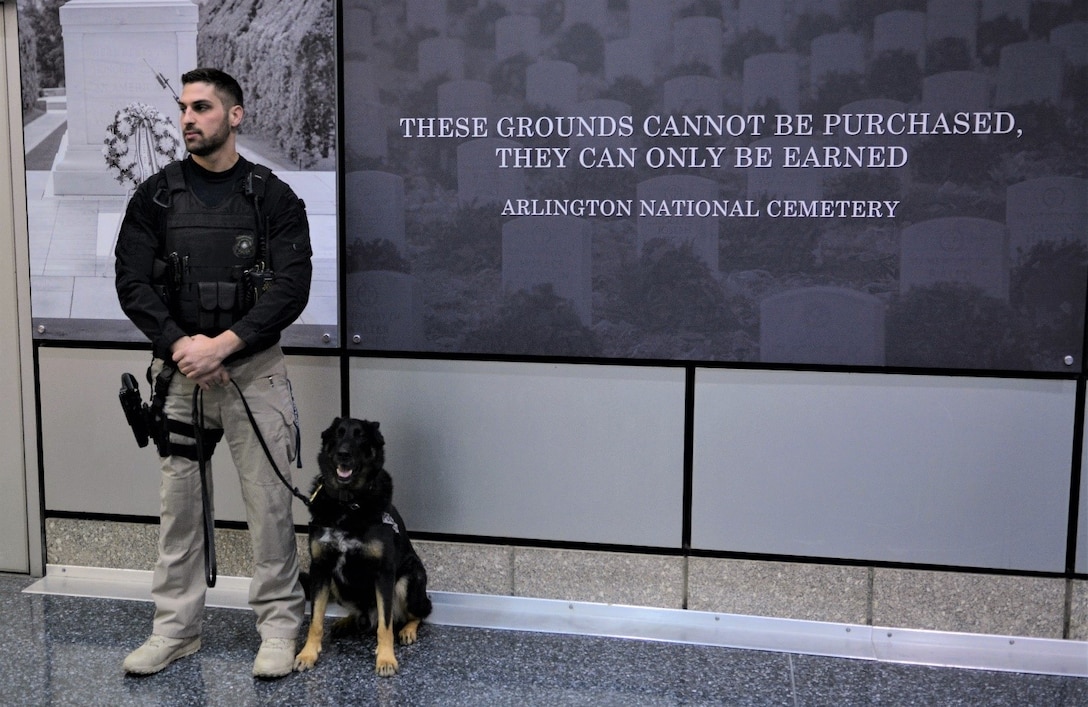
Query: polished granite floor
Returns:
{"type": "Point", "coordinates": [61, 650]}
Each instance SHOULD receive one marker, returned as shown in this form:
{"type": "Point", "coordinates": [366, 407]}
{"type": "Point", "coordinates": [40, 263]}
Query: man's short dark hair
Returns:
{"type": "Point", "coordinates": [223, 82]}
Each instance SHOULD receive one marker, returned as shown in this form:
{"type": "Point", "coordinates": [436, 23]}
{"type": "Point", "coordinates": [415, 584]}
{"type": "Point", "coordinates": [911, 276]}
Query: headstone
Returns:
{"type": "Point", "coordinates": [698, 40]}
{"type": "Point", "coordinates": [691, 95]}
{"type": "Point", "coordinates": [366, 120]}
{"type": "Point", "coordinates": [551, 84]}
{"type": "Point", "coordinates": [822, 325]}
{"type": "Point", "coordinates": [480, 180]}
{"type": "Point", "coordinates": [517, 34]}
{"type": "Point", "coordinates": [649, 26]}
{"type": "Point", "coordinates": [781, 182]}
{"type": "Point", "coordinates": [766, 16]}
{"type": "Point", "coordinates": [385, 310]}
{"type": "Point", "coordinates": [601, 107]}
{"type": "Point", "coordinates": [587, 12]}
{"type": "Point", "coordinates": [374, 207]}
{"type": "Point", "coordinates": [1072, 40]}
{"type": "Point", "coordinates": [952, 19]}
{"type": "Point", "coordinates": [357, 22]}
{"type": "Point", "coordinates": [700, 231]}
{"type": "Point", "coordinates": [839, 53]}
{"type": "Point", "coordinates": [514, 7]}
{"type": "Point", "coordinates": [1046, 209]}
{"type": "Point", "coordinates": [956, 91]}
{"type": "Point", "coordinates": [831, 8]}
{"type": "Point", "coordinates": [1015, 10]}
{"type": "Point", "coordinates": [957, 249]}
{"type": "Point", "coordinates": [111, 53]}
{"type": "Point", "coordinates": [441, 56]}
{"type": "Point", "coordinates": [628, 58]}
{"type": "Point", "coordinates": [426, 15]}
{"type": "Point", "coordinates": [1029, 72]}
{"type": "Point", "coordinates": [774, 76]}
{"type": "Point", "coordinates": [465, 98]}
{"type": "Point", "coordinates": [901, 31]}
{"type": "Point", "coordinates": [555, 250]}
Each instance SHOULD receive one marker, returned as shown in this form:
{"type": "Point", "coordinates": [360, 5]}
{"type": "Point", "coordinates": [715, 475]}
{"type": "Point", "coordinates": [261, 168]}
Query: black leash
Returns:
{"type": "Point", "coordinates": [249, 413]}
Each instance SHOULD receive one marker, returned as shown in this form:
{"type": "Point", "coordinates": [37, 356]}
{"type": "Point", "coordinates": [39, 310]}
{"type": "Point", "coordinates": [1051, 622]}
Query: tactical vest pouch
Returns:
{"type": "Point", "coordinates": [218, 302]}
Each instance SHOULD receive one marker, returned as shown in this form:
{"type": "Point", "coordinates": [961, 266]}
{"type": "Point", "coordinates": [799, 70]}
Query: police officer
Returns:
{"type": "Point", "coordinates": [213, 262]}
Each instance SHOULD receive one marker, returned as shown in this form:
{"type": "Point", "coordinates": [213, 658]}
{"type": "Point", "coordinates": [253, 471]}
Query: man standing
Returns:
{"type": "Point", "coordinates": [213, 262]}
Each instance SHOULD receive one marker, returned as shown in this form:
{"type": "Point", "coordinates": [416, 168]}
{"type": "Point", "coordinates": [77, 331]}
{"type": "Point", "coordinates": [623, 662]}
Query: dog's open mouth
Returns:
{"type": "Point", "coordinates": [344, 472]}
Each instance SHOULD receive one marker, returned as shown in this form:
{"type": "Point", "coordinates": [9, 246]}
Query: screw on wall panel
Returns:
{"type": "Point", "coordinates": [1069, 360]}
{"type": "Point", "coordinates": [356, 339]}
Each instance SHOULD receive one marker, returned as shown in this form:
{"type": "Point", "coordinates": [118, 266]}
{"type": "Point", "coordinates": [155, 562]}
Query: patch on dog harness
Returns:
{"type": "Point", "coordinates": [388, 520]}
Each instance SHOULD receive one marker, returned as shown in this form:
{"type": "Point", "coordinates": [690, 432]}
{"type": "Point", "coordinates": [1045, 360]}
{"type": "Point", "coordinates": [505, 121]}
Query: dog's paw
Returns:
{"type": "Point", "coordinates": [409, 633]}
{"type": "Point", "coordinates": [306, 659]}
{"type": "Point", "coordinates": [386, 667]}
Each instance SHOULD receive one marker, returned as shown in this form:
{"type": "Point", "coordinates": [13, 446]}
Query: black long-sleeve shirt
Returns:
{"type": "Point", "coordinates": [140, 243]}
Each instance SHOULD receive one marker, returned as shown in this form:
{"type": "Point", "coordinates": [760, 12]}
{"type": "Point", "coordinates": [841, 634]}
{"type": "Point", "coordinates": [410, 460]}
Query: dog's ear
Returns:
{"type": "Point", "coordinates": [372, 429]}
{"type": "Point", "coordinates": [330, 431]}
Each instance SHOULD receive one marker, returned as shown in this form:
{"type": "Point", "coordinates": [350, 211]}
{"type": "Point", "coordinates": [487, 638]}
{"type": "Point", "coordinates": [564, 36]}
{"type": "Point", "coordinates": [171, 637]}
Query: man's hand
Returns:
{"type": "Point", "coordinates": [200, 358]}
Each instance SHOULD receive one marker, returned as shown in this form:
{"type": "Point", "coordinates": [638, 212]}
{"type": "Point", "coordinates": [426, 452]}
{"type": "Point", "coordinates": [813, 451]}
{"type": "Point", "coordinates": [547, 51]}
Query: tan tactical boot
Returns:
{"type": "Point", "coordinates": [275, 658]}
{"type": "Point", "coordinates": [158, 652]}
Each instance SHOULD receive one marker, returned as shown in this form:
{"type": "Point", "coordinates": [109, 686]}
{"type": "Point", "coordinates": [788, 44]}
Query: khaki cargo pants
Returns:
{"type": "Point", "coordinates": [178, 586]}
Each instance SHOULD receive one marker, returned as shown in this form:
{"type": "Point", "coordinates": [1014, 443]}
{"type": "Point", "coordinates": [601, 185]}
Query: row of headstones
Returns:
{"type": "Point", "coordinates": [908, 30]}
{"type": "Point", "coordinates": [701, 40]}
{"type": "Point", "coordinates": [813, 325]}
{"type": "Point", "coordinates": [556, 250]}
{"type": "Point", "coordinates": [829, 325]}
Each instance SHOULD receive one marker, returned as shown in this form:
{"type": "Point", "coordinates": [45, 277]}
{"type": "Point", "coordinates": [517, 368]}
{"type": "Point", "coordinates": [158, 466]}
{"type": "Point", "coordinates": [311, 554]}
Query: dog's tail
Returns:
{"type": "Point", "coordinates": [304, 579]}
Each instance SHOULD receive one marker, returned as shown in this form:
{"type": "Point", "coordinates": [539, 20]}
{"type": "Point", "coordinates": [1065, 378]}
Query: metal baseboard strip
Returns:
{"type": "Point", "coordinates": [878, 643]}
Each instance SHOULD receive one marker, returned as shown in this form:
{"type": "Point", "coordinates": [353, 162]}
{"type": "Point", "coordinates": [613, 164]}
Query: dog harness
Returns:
{"type": "Point", "coordinates": [387, 517]}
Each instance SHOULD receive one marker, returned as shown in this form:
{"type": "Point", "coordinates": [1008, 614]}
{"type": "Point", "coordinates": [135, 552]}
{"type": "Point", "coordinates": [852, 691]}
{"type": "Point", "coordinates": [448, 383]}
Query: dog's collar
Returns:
{"type": "Point", "coordinates": [321, 487]}
{"type": "Point", "coordinates": [387, 517]}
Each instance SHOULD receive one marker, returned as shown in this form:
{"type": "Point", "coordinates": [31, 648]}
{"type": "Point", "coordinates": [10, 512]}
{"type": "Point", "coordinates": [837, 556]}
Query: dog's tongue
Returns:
{"type": "Point", "coordinates": [343, 472]}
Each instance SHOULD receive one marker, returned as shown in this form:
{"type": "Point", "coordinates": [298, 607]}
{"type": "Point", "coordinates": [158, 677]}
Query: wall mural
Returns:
{"type": "Point", "coordinates": [100, 116]}
{"type": "Point", "coordinates": [843, 183]}
{"type": "Point", "coordinates": [891, 184]}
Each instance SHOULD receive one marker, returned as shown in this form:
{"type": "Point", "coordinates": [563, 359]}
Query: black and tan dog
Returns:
{"type": "Point", "coordinates": [359, 548]}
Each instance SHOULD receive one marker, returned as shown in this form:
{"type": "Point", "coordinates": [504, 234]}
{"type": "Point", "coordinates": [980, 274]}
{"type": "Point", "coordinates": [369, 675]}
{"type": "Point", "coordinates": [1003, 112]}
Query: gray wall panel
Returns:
{"type": "Point", "coordinates": [956, 471]}
{"type": "Point", "coordinates": [92, 463]}
{"type": "Point", "coordinates": [558, 452]}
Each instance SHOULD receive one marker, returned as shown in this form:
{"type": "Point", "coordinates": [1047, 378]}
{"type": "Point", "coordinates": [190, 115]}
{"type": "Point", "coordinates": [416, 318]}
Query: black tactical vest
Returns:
{"type": "Point", "coordinates": [210, 251]}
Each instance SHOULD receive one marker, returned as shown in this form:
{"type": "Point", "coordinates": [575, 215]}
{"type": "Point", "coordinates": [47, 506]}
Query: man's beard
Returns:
{"type": "Point", "coordinates": [207, 144]}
